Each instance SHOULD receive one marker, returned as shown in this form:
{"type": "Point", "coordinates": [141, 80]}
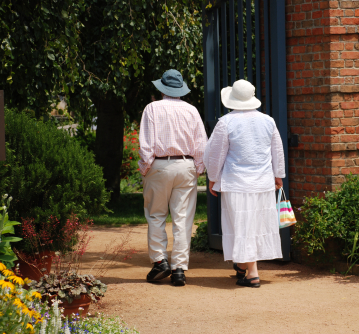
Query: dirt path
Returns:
{"type": "Point", "coordinates": [292, 299]}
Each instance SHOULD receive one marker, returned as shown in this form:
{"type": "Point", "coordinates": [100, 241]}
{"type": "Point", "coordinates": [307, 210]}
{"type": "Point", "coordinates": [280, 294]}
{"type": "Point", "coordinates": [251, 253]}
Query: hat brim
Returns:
{"type": "Point", "coordinates": [170, 91]}
{"type": "Point", "coordinates": [230, 102]}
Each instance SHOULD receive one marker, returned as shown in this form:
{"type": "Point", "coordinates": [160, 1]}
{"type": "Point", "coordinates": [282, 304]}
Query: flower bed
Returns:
{"type": "Point", "coordinates": [23, 311]}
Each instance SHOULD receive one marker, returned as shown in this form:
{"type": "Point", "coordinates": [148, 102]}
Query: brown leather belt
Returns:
{"type": "Point", "coordinates": [173, 157]}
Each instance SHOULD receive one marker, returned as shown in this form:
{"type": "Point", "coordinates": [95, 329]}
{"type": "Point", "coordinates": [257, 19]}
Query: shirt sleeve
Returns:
{"type": "Point", "coordinates": [278, 163]}
{"type": "Point", "coordinates": [147, 141]}
{"type": "Point", "coordinates": [200, 141]}
{"type": "Point", "coordinates": [216, 151]}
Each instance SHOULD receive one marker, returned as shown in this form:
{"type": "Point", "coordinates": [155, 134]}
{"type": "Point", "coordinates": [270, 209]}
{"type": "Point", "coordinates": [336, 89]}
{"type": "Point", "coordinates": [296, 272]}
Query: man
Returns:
{"type": "Point", "coordinates": [172, 141]}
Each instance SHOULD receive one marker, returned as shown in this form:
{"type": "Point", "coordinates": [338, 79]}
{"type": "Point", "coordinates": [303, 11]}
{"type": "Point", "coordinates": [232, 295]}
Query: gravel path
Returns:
{"type": "Point", "coordinates": [292, 299]}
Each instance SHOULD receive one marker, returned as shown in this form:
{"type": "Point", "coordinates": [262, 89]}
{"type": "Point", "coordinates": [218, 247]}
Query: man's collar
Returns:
{"type": "Point", "coordinates": [165, 97]}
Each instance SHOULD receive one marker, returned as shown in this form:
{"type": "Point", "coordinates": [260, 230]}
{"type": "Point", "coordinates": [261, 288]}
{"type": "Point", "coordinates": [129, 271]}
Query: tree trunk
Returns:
{"type": "Point", "coordinates": [109, 141]}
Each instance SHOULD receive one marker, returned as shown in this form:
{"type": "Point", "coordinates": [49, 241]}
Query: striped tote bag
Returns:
{"type": "Point", "coordinates": [286, 215]}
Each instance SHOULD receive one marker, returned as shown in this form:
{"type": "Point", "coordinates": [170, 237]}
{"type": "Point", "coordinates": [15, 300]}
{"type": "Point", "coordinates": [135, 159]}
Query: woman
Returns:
{"type": "Point", "coordinates": [245, 162]}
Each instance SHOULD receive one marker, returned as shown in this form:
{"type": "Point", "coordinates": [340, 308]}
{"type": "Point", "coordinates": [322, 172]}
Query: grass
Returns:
{"type": "Point", "coordinates": [129, 210]}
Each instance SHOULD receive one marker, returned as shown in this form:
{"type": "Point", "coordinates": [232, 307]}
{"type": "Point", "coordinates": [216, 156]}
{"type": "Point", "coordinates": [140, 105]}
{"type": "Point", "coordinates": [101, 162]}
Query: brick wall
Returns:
{"type": "Point", "coordinates": [323, 93]}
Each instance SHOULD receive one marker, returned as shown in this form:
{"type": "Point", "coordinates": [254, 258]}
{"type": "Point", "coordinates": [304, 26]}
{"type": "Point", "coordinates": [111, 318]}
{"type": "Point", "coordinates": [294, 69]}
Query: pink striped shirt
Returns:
{"type": "Point", "coordinates": [171, 127]}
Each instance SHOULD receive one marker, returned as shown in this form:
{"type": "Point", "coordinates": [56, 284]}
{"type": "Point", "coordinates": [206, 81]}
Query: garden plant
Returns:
{"type": "Point", "coordinates": [7, 255]}
{"type": "Point", "coordinates": [48, 173]}
{"type": "Point", "coordinates": [23, 311]}
{"type": "Point", "coordinates": [332, 217]}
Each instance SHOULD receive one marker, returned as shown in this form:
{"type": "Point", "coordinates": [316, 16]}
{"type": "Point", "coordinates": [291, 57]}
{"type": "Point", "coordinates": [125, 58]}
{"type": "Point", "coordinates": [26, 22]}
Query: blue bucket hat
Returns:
{"type": "Point", "coordinates": [171, 84]}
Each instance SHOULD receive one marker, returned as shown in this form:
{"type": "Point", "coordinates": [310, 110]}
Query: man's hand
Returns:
{"type": "Point", "coordinates": [211, 184]}
{"type": "Point", "coordinates": [278, 183]}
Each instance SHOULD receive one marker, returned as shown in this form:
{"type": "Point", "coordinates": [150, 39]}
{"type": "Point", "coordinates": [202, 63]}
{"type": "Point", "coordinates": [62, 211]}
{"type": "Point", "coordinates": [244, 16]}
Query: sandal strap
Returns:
{"type": "Point", "coordinates": [235, 267]}
{"type": "Point", "coordinates": [252, 279]}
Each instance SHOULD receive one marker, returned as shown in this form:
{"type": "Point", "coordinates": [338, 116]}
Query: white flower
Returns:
{"type": "Point", "coordinates": [81, 308]}
{"type": "Point", "coordinates": [5, 196]}
{"type": "Point", "coordinates": [10, 198]}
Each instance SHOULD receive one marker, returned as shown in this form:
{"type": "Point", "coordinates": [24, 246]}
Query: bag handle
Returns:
{"type": "Point", "coordinates": [278, 203]}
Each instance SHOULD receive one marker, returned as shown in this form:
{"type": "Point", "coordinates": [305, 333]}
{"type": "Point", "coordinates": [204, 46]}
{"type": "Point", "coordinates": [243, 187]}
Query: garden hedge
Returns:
{"type": "Point", "coordinates": [48, 173]}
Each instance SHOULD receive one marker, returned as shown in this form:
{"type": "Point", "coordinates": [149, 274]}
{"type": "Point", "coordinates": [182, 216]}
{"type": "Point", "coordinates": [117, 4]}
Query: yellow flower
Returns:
{"type": "Point", "coordinates": [36, 294]}
{"type": "Point", "coordinates": [29, 326]}
{"type": "Point", "coordinates": [5, 284]}
{"type": "Point", "coordinates": [1, 314]}
{"type": "Point", "coordinates": [26, 311]}
{"type": "Point", "coordinates": [27, 281]}
{"type": "Point", "coordinates": [17, 302]}
{"type": "Point", "coordinates": [7, 272]}
{"type": "Point", "coordinates": [16, 279]}
{"type": "Point", "coordinates": [2, 266]}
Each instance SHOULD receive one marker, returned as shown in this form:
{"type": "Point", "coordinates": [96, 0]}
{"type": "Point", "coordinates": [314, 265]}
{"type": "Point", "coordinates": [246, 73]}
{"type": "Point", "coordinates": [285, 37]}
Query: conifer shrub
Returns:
{"type": "Point", "coordinates": [48, 173]}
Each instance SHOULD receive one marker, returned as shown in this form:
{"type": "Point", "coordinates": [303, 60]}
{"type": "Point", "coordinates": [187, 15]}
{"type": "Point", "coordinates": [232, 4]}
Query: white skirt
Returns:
{"type": "Point", "coordinates": [250, 227]}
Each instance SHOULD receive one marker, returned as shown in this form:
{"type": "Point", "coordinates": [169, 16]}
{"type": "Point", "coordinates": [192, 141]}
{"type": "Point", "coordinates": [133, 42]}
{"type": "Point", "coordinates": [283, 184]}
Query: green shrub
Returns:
{"type": "Point", "coordinates": [200, 241]}
{"type": "Point", "coordinates": [48, 173]}
{"type": "Point", "coordinates": [335, 216]}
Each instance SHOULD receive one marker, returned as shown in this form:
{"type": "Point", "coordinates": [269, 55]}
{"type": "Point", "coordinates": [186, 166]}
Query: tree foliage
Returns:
{"type": "Point", "coordinates": [39, 48]}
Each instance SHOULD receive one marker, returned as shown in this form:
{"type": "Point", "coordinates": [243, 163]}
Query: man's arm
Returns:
{"type": "Point", "coordinates": [147, 141]}
{"type": "Point", "coordinates": [200, 141]}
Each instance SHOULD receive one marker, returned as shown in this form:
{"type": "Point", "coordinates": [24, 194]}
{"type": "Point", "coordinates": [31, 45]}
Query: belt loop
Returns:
{"type": "Point", "coordinates": [169, 157]}
{"type": "Point", "coordinates": [184, 158]}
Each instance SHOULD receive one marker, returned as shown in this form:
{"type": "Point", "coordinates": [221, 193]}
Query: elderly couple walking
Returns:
{"type": "Point", "coordinates": [244, 161]}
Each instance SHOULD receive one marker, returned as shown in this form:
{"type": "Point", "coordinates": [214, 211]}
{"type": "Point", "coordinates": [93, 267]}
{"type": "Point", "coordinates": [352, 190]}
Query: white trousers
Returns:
{"type": "Point", "coordinates": [173, 184]}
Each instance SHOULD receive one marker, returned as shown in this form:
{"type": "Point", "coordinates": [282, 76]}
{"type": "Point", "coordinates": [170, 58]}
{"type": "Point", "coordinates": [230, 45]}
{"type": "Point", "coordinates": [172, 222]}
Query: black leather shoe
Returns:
{"type": "Point", "coordinates": [178, 278]}
{"type": "Point", "coordinates": [160, 270]}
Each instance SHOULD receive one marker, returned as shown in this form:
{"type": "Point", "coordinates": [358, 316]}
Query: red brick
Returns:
{"type": "Point", "coordinates": [357, 12]}
{"type": "Point", "coordinates": [349, 46]}
{"type": "Point", "coordinates": [350, 20]}
{"type": "Point", "coordinates": [349, 71]}
{"type": "Point", "coordinates": [349, 121]}
{"type": "Point", "coordinates": [306, 7]}
{"type": "Point", "coordinates": [335, 30]}
{"type": "Point", "coordinates": [307, 139]}
{"type": "Point", "coordinates": [298, 17]}
{"type": "Point", "coordinates": [334, 131]}
{"type": "Point", "coordinates": [317, 31]}
{"type": "Point", "coordinates": [336, 46]}
{"type": "Point", "coordinates": [298, 66]}
{"type": "Point", "coordinates": [353, 170]}
{"type": "Point", "coordinates": [333, 13]}
{"type": "Point", "coordinates": [317, 15]}
{"type": "Point", "coordinates": [307, 90]}
{"type": "Point", "coordinates": [349, 138]}
{"type": "Point", "coordinates": [299, 49]}
{"type": "Point", "coordinates": [350, 55]}
{"type": "Point", "coordinates": [338, 163]}
{"type": "Point", "coordinates": [350, 130]}
{"type": "Point", "coordinates": [307, 74]}
{"type": "Point", "coordinates": [333, 4]}
{"type": "Point", "coordinates": [297, 83]}
{"type": "Point", "coordinates": [349, 105]}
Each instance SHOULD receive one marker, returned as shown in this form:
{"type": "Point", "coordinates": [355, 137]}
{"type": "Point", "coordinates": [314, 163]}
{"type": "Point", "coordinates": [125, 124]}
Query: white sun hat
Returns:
{"type": "Point", "coordinates": [240, 96]}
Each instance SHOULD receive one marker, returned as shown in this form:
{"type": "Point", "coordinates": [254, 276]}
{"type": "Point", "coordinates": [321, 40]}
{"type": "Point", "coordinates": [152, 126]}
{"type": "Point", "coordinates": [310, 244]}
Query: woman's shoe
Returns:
{"type": "Point", "coordinates": [248, 282]}
{"type": "Point", "coordinates": [240, 273]}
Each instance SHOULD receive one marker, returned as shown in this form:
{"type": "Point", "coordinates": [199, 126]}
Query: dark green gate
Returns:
{"type": "Point", "coordinates": [245, 39]}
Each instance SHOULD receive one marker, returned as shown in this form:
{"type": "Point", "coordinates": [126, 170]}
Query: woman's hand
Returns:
{"type": "Point", "coordinates": [211, 184]}
{"type": "Point", "coordinates": [278, 183]}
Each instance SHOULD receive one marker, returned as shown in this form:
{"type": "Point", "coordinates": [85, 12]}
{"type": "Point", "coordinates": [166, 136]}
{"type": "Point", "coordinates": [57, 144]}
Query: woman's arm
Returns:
{"type": "Point", "coordinates": [216, 153]}
{"type": "Point", "coordinates": [278, 162]}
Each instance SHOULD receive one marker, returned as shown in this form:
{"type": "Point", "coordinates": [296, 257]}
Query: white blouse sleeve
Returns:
{"type": "Point", "coordinates": [278, 162]}
{"type": "Point", "coordinates": [216, 151]}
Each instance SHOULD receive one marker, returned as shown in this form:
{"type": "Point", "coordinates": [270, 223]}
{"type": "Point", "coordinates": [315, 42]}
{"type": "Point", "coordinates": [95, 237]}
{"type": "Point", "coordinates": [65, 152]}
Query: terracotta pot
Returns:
{"type": "Point", "coordinates": [83, 302]}
{"type": "Point", "coordinates": [37, 268]}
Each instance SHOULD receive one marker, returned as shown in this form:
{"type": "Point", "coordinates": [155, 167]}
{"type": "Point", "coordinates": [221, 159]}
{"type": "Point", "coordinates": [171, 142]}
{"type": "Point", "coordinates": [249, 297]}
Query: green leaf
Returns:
{"type": "Point", "coordinates": [64, 14]}
{"type": "Point", "coordinates": [11, 239]}
{"type": "Point", "coordinates": [7, 257]}
{"type": "Point", "coordinates": [51, 56]}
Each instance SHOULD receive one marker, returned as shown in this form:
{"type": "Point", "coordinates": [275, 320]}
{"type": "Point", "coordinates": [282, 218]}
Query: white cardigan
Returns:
{"type": "Point", "coordinates": [245, 153]}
